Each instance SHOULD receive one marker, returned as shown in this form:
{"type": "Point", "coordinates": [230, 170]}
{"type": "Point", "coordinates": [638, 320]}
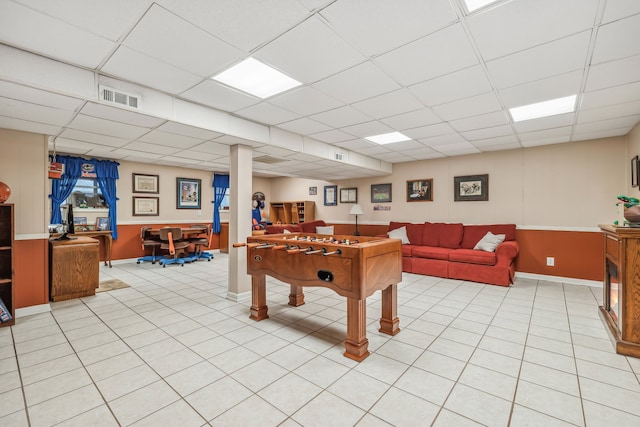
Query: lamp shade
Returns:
{"type": "Point", "coordinates": [356, 210]}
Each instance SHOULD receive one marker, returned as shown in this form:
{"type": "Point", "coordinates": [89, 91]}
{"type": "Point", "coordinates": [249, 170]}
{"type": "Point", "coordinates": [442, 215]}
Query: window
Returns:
{"type": "Point", "coordinates": [87, 194]}
{"type": "Point", "coordinates": [224, 206]}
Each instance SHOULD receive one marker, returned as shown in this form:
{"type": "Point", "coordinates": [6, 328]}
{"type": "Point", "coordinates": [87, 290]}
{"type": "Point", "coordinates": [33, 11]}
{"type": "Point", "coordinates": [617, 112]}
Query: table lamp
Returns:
{"type": "Point", "coordinates": [356, 210]}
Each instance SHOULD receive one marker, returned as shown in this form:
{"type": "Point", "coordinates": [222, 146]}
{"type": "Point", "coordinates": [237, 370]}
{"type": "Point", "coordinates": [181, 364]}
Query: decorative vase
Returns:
{"type": "Point", "coordinates": [632, 214]}
{"type": "Point", "coordinates": [5, 192]}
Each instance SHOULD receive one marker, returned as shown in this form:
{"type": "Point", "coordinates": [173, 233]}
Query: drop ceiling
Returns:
{"type": "Point", "coordinates": [428, 69]}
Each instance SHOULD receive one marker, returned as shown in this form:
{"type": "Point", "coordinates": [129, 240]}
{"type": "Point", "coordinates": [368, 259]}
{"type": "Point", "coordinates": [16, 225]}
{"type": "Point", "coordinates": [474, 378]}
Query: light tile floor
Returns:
{"type": "Point", "coordinates": [172, 350]}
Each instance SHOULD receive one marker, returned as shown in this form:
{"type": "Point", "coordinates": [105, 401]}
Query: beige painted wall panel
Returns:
{"type": "Point", "coordinates": [23, 166]}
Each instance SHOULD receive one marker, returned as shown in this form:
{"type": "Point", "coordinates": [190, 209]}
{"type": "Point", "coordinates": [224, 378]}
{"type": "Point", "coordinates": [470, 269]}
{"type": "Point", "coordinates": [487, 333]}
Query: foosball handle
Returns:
{"type": "Point", "coordinates": [239, 245]}
{"type": "Point", "coordinates": [278, 247]}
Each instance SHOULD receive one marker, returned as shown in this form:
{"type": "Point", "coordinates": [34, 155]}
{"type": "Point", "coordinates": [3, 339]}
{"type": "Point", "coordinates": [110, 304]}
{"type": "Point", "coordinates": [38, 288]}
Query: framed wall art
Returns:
{"type": "Point", "coordinates": [471, 188]}
{"type": "Point", "coordinates": [348, 195]}
{"type": "Point", "coordinates": [420, 190]}
{"type": "Point", "coordinates": [313, 191]}
{"type": "Point", "coordinates": [146, 183]}
{"type": "Point", "coordinates": [102, 223]}
{"type": "Point", "coordinates": [380, 193]}
{"type": "Point", "coordinates": [330, 195]}
{"type": "Point", "coordinates": [188, 193]}
{"type": "Point", "coordinates": [145, 206]}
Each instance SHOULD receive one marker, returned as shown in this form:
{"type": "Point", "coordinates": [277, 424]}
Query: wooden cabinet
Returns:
{"type": "Point", "coordinates": [73, 268]}
{"type": "Point", "coordinates": [621, 299]}
{"type": "Point", "coordinates": [295, 212]}
{"type": "Point", "coordinates": [6, 260]}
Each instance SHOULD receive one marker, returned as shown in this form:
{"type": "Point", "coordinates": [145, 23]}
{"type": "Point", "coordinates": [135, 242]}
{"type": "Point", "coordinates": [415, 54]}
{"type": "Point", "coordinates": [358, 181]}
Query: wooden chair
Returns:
{"type": "Point", "coordinates": [149, 241]}
{"type": "Point", "coordinates": [202, 242]}
{"type": "Point", "coordinates": [171, 240]}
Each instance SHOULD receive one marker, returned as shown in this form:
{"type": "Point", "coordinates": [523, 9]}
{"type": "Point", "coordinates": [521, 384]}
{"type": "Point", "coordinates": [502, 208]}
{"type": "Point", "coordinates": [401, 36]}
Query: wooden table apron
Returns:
{"type": "Point", "coordinates": [357, 272]}
{"type": "Point", "coordinates": [104, 237]}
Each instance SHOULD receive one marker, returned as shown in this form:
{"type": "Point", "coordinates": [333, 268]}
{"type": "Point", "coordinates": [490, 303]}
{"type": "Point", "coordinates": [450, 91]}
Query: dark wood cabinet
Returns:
{"type": "Point", "coordinates": [292, 212]}
{"type": "Point", "coordinates": [74, 268]}
{"type": "Point", "coordinates": [620, 310]}
{"type": "Point", "coordinates": [6, 260]}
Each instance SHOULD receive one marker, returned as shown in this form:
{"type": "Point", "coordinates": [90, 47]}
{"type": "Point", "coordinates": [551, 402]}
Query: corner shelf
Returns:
{"type": "Point", "coordinates": [295, 212]}
{"type": "Point", "coordinates": [6, 260]}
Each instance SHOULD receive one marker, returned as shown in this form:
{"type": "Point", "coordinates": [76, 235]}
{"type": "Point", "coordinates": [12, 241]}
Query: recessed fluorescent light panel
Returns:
{"type": "Point", "coordinates": [477, 4]}
{"type": "Point", "coordinates": [388, 138]}
{"type": "Point", "coordinates": [544, 109]}
{"type": "Point", "coordinates": [256, 78]}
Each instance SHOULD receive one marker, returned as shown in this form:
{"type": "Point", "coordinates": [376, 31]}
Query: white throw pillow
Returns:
{"type": "Point", "coordinates": [285, 231]}
{"type": "Point", "coordinates": [324, 230]}
{"type": "Point", "coordinates": [399, 233]}
{"type": "Point", "coordinates": [490, 242]}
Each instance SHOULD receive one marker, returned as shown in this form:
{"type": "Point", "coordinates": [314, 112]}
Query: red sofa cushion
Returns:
{"type": "Point", "coordinates": [310, 227]}
{"type": "Point", "coordinates": [432, 252]}
{"type": "Point", "coordinates": [279, 229]}
{"type": "Point", "coordinates": [471, 256]}
{"type": "Point", "coordinates": [444, 235]}
{"type": "Point", "coordinates": [414, 231]}
{"type": "Point", "coordinates": [473, 233]}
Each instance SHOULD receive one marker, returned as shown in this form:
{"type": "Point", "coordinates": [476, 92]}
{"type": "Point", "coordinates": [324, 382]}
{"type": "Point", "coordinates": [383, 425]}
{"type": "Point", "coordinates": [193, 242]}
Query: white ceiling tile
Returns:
{"type": "Point", "coordinates": [609, 112]}
{"type": "Point", "coordinates": [616, 9]}
{"type": "Point", "coordinates": [479, 122]}
{"type": "Point", "coordinates": [557, 57]}
{"type": "Point", "coordinates": [405, 146]}
{"type": "Point", "coordinates": [28, 126]}
{"type": "Point", "coordinates": [27, 111]}
{"type": "Point", "coordinates": [603, 125]}
{"type": "Point", "coordinates": [476, 105]}
{"type": "Point", "coordinates": [374, 150]}
{"type": "Point", "coordinates": [332, 136]}
{"type": "Point", "coordinates": [212, 147]}
{"type": "Point", "coordinates": [617, 40]}
{"type": "Point", "coordinates": [192, 131]}
{"type": "Point", "coordinates": [357, 83]}
{"type": "Point", "coordinates": [605, 133]}
{"type": "Point", "coordinates": [500, 147]}
{"type": "Point", "coordinates": [219, 96]}
{"type": "Point", "coordinates": [542, 90]}
{"type": "Point", "coordinates": [170, 139]}
{"type": "Point", "coordinates": [304, 126]}
{"type": "Point", "coordinates": [492, 132]}
{"type": "Point", "coordinates": [34, 31]}
{"type": "Point", "coordinates": [341, 117]}
{"type": "Point", "coordinates": [429, 131]}
{"type": "Point", "coordinates": [613, 73]}
{"type": "Point", "coordinates": [358, 145]}
{"type": "Point", "coordinates": [305, 100]}
{"type": "Point", "coordinates": [496, 141]}
{"type": "Point", "coordinates": [245, 24]}
{"type": "Point", "coordinates": [163, 35]}
{"type": "Point", "coordinates": [118, 114]}
{"type": "Point", "coordinates": [545, 123]}
{"type": "Point", "coordinates": [564, 131]}
{"type": "Point", "coordinates": [136, 67]}
{"type": "Point", "coordinates": [452, 138]}
{"type": "Point", "coordinates": [364, 130]}
{"type": "Point", "coordinates": [155, 148]}
{"type": "Point", "coordinates": [309, 52]}
{"type": "Point", "coordinates": [39, 97]}
{"type": "Point", "coordinates": [527, 23]}
{"type": "Point", "coordinates": [545, 141]}
{"type": "Point", "coordinates": [426, 153]}
{"type": "Point", "coordinates": [267, 113]}
{"type": "Point", "coordinates": [457, 85]}
{"type": "Point", "coordinates": [413, 119]}
{"type": "Point", "coordinates": [456, 149]}
{"type": "Point", "coordinates": [107, 127]}
{"type": "Point", "coordinates": [437, 54]}
{"type": "Point", "coordinates": [389, 104]}
{"type": "Point", "coordinates": [95, 138]}
{"type": "Point", "coordinates": [377, 26]}
{"type": "Point", "coordinates": [612, 95]}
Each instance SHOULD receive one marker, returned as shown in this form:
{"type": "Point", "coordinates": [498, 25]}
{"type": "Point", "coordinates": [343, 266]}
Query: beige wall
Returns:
{"type": "Point", "coordinates": [23, 167]}
{"type": "Point", "coordinates": [567, 186]}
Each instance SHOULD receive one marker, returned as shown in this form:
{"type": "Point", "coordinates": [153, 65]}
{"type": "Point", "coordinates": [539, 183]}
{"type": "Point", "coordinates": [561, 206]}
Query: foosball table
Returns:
{"type": "Point", "coordinates": [353, 266]}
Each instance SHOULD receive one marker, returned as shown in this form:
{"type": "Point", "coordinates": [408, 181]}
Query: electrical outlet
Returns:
{"type": "Point", "coordinates": [199, 213]}
{"type": "Point", "coordinates": [551, 261]}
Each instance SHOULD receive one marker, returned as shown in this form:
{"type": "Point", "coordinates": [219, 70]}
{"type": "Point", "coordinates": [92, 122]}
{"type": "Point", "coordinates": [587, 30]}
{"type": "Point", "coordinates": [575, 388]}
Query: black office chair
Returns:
{"type": "Point", "coordinates": [149, 241]}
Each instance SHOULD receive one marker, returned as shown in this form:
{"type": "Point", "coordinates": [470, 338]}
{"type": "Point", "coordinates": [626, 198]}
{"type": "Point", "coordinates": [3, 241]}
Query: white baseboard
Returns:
{"type": "Point", "coordinates": [570, 280]}
{"type": "Point", "coordinates": [31, 310]}
{"type": "Point", "coordinates": [245, 296]}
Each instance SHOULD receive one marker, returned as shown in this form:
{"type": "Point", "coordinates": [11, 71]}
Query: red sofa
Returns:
{"type": "Point", "coordinates": [303, 227]}
{"type": "Point", "coordinates": [446, 250]}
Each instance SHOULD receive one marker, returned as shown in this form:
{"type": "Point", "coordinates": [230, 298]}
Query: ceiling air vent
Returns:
{"type": "Point", "coordinates": [115, 96]}
{"type": "Point", "coordinates": [269, 160]}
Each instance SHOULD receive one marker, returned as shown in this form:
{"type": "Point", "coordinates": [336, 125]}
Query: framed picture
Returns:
{"type": "Point", "coordinates": [420, 190]}
{"type": "Point", "coordinates": [380, 193]}
{"type": "Point", "coordinates": [188, 193]}
{"type": "Point", "coordinates": [313, 191]}
{"type": "Point", "coordinates": [102, 223]}
{"type": "Point", "coordinates": [145, 183]}
{"type": "Point", "coordinates": [83, 227]}
{"type": "Point", "coordinates": [634, 171]}
{"type": "Point", "coordinates": [471, 188]}
{"type": "Point", "coordinates": [79, 220]}
{"type": "Point", "coordinates": [330, 195]}
{"type": "Point", "coordinates": [145, 206]}
{"type": "Point", "coordinates": [348, 195]}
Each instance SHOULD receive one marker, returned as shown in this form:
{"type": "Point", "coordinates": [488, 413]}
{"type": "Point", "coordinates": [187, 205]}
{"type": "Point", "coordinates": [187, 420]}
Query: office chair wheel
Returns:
{"type": "Point", "coordinates": [138, 262]}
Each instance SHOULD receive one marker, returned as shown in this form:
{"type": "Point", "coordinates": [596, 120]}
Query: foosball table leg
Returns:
{"type": "Point", "coordinates": [356, 344]}
{"type": "Point", "coordinates": [296, 296]}
{"type": "Point", "coordinates": [389, 322]}
{"type": "Point", "coordinates": [258, 298]}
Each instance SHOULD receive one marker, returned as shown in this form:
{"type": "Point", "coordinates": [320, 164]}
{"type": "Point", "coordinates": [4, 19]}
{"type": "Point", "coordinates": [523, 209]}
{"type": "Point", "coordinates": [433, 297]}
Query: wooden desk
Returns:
{"type": "Point", "coordinates": [73, 268]}
{"type": "Point", "coordinates": [103, 236]}
{"type": "Point", "coordinates": [354, 271]}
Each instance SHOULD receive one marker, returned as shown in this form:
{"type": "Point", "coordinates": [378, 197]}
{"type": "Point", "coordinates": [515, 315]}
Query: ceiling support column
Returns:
{"type": "Point", "coordinates": [240, 189]}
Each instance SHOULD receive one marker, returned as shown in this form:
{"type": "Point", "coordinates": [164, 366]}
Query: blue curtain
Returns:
{"type": "Point", "coordinates": [106, 175]}
{"type": "Point", "coordinates": [61, 188]}
{"type": "Point", "coordinates": [220, 186]}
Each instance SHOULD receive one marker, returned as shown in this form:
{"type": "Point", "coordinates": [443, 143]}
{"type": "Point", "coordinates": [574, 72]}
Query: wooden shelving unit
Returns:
{"type": "Point", "coordinates": [6, 260]}
{"type": "Point", "coordinates": [295, 212]}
